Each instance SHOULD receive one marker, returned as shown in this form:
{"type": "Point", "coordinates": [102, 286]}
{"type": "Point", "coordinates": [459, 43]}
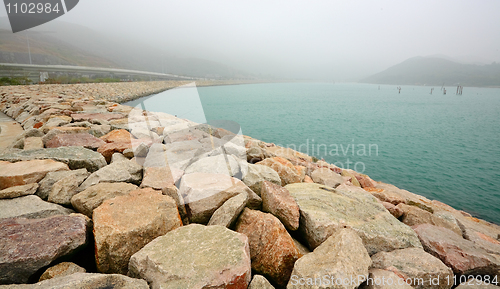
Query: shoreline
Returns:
{"type": "Point", "coordinates": [82, 132]}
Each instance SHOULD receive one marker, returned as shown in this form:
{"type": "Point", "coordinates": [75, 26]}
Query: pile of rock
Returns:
{"type": "Point", "coordinates": [161, 202]}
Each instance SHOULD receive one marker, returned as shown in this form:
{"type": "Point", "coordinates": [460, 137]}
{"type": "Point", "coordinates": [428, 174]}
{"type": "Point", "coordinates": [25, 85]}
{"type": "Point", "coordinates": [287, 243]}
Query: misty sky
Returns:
{"type": "Point", "coordinates": [342, 40]}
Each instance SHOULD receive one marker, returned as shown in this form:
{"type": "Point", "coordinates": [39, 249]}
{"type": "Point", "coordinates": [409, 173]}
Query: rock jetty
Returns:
{"type": "Point", "coordinates": [92, 197]}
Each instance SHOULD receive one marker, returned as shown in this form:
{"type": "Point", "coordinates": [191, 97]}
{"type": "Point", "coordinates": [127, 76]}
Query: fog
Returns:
{"type": "Point", "coordinates": [327, 40]}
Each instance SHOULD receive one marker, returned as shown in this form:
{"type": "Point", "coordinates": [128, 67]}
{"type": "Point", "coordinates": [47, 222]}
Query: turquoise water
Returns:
{"type": "Point", "coordinates": [445, 147]}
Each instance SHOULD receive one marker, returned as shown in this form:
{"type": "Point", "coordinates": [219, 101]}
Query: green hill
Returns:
{"type": "Point", "coordinates": [437, 71]}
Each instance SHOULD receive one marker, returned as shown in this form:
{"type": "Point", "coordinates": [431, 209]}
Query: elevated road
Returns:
{"type": "Point", "coordinates": [33, 71]}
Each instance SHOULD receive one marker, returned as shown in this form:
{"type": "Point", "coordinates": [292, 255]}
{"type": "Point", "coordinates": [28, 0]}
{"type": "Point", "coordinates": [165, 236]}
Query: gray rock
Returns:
{"type": "Point", "coordinates": [327, 177]}
{"type": "Point", "coordinates": [325, 210]}
{"type": "Point", "coordinates": [84, 281]}
{"type": "Point", "coordinates": [74, 157]}
{"type": "Point", "coordinates": [18, 191]}
{"type": "Point", "coordinates": [219, 164]}
{"type": "Point", "coordinates": [341, 256]}
{"type": "Point", "coordinates": [85, 202]}
{"type": "Point", "coordinates": [259, 282]}
{"type": "Point", "coordinates": [54, 237]}
{"type": "Point", "coordinates": [259, 173]}
{"type": "Point", "coordinates": [194, 256]}
{"type": "Point", "coordinates": [226, 214]}
{"type": "Point", "coordinates": [31, 207]}
{"type": "Point", "coordinates": [416, 264]}
{"type": "Point", "coordinates": [126, 171]}
{"type": "Point", "coordinates": [45, 185]}
{"type": "Point", "coordinates": [118, 157]}
{"type": "Point", "coordinates": [64, 189]}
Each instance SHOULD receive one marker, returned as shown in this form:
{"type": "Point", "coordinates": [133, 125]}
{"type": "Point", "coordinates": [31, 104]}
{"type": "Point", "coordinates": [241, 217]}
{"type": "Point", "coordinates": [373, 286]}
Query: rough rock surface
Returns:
{"type": "Point", "coordinates": [415, 216]}
{"type": "Point", "coordinates": [126, 171]}
{"type": "Point", "coordinates": [27, 172]}
{"type": "Point", "coordinates": [61, 269]}
{"type": "Point", "coordinates": [86, 201]}
{"type": "Point", "coordinates": [30, 207]}
{"type": "Point", "coordinates": [86, 281]}
{"type": "Point", "coordinates": [18, 191]}
{"type": "Point", "coordinates": [194, 256]}
{"type": "Point", "coordinates": [226, 214]}
{"type": "Point", "coordinates": [160, 178]}
{"type": "Point", "coordinates": [325, 210]}
{"type": "Point", "coordinates": [462, 255]}
{"type": "Point", "coordinates": [260, 282]}
{"type": "Point", "coordinates": [287, 172]}
{"type": "Point", "coordinates": [278, 201]}
{"type": "Point", "coordinates": [64, 189]}
{"type": "Point", "coordinates": [54, 237]}
{"type": "Point", "coordinates": [204, 193]}
{"type": "Point", "coordinates": [125, 224]}
{"type": "Point", "coordinates": [383, 279]}
{"type": "Point", "coordinates": [74, 157]}
{"type": "Point", "coordinates": [416, 264]}
{"type": "Point", "coordinates": [79, 139]}
{"type": "Point", "coordinates": [327, 177]}
{"type": "Point", "coordinates": [259, 173]}
{"type": "Point", "coordinates": [341, 256]}
{"type": "Point", "coordinates": [483, 241]}
{"type": "Point", "coordinates": [272, 249]}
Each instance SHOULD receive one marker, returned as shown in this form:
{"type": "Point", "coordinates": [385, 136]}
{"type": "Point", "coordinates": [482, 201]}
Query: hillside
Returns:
{"type": "Point", "coordinates": [45, 49]}
{"type": "Point", "coordinates": [59, 42]}
{"type": "Point", "coordinates": [437, 71]}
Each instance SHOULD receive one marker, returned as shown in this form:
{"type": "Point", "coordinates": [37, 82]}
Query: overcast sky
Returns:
{"type": "Point", "coordinates": [309, 39]}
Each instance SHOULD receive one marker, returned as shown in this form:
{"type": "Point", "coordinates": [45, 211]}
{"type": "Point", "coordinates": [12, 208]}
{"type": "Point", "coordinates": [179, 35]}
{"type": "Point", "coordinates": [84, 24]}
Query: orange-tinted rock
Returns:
{"type": "Point", "coordinates": [119, 135]}
{"type": "Point", "coordinates": [38, 125]}
{"type": "Point", "coordinates": [278, 201]}
{"type": "Point", "coordinates": [80, 139]}
{"type": "Point", "coordinates": [108, 149]}
{"type": "Point", "coordinates": [27, 172]}
{"type": "Point", "coordinates": [285, 169]}
{"type": "Point", "coordinates": [272, 249]}
{"type": "Point", "coordinates": [125, 224]}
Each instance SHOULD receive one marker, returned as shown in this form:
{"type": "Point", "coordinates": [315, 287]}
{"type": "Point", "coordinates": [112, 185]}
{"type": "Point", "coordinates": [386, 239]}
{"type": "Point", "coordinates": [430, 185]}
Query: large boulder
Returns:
{"type": "Point", "coordinates": [30, 207]}
{"type": "Point", "coordinates": [30, 244]}
{"type": "Point", "coordinates": [325, 210]}
{"type": "Point", "coordinates": [84, 281]}
{"type": "Point", "coordinates": [79, 139]}
{"type": "Point", "coordinates": [272, 249]}
{"type": "Point", "coordinates": [483, 241]}
{"type": "Point", "coordinates": [286, 170]}
{"type": "Point", "coordinates": [336, 263]}
{"type": "Point", "coordinates": [64, 189]}
{"type": "Point", "coordinates": [218, 164]}
{"type": "Point", "coordinates": [86, 201]}
{"type": "Point", "coordinates": [461, 255]}
{"type": "Point", "coordinates": [194, 256]}
{"type": "Point", "coordinates": [203, 193]}
{"type": "Point", "coordinates": [278, 201]}
{"type": "Point", "coordinates": [74, 157]}
{"type": "Point", "coordinates": [45, 185]}
{"type": "Point", "coordinates": [125, 224]}
{"type": "Point", "coordinates": [27, 172]}
{"type": "Point", "coordinates": [258, 174]}
{"type": "Point", "coordinates": [226, 214]}
{"type": "Point", "coordinates": [415, 264]}
{"type": "Point", "coordinates": [413, 215]}
{"type": "Point", "coordinates": [126, 171]}
{"type": "Point", "coordinates": [327, 177]}
{"type": "Point", "coordinates": [18, 191]}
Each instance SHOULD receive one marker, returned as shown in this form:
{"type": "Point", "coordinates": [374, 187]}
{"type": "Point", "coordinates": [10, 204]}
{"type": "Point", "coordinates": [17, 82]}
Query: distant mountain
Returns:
{"type": "Point", "coordinates": [436, 71]}
{"type": "Point", "coordinates": [59, 42]}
